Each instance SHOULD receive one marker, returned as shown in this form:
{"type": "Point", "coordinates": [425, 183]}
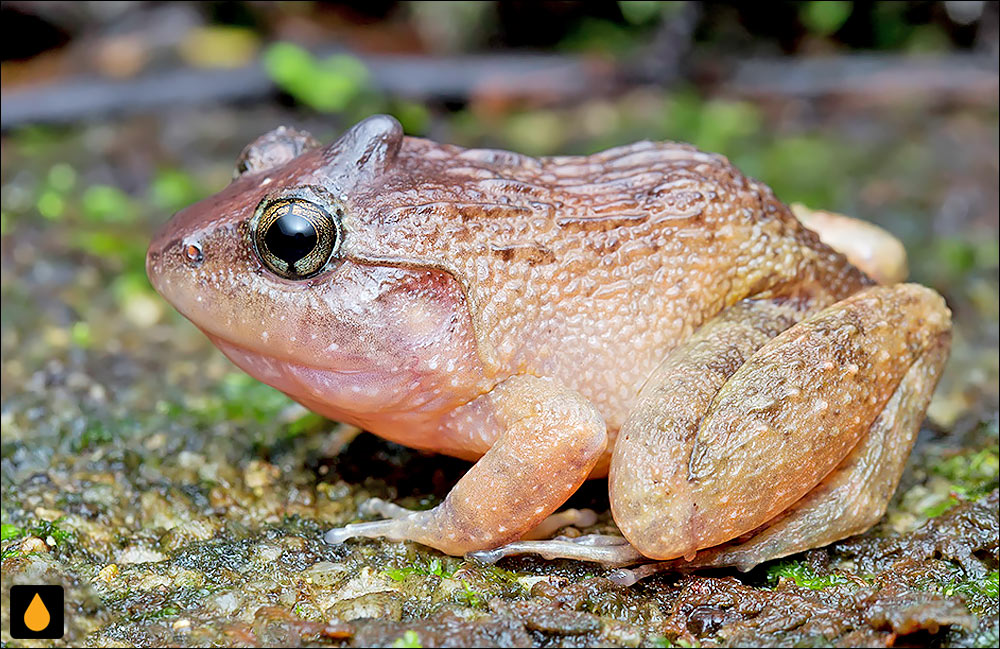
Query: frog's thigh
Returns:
{"type": "Point", "coordinates": [854, 497]}
{"type": "Point", "coordinates": [686, 477]}
{"type": "Point", "coordinates": [552, 439]}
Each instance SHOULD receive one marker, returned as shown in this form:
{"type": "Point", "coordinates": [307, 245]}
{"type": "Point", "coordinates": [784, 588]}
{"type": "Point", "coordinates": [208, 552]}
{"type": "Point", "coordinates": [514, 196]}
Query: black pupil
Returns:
{"type": "Point", "coordinates": [291, 238]}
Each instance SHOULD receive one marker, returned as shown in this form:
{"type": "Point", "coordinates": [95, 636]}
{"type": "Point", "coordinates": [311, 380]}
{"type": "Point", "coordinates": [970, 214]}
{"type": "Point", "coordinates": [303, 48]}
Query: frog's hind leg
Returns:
{"type": "Point", "coordinates": [856, 494]}
{"type": "Point", "coordinates": [707, 457]}
{"type": "Point", "coordinates": [849, 501]}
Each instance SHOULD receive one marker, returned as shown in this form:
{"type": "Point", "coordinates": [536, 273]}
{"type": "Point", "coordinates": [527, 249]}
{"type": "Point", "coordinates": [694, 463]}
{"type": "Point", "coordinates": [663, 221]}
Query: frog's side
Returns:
{"type": "Point", "coordinates": [524, 312]}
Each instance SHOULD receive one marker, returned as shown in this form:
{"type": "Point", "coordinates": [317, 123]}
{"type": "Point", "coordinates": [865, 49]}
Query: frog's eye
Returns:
{"type": "Point", "coordinates": [295, 238]}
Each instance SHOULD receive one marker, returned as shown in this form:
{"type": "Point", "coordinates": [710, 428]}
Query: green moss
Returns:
{"type": "Point", "coordinates": [940, 507]}
{"type": "Point", "coordinates": [49, 531]}
{"type": "Point", "coordinates": [970, 475]}
{"type": "Point", "coordinates": [498, 575]}
{"type": "Point", "coordinates": [245, 397]}
{"type": "Point", "coordinates": [306, 424]}
{"type": "Point", "coordinates": [971, 471]}
{"type": "Point", "coordinates": [470, 597]}
{"type": "Point", "coordinates": [988, 586]}
{"type": "Point", "coordinates": [409, 639]}
{"type": "Point", "coordinates": [433, 567]}
{"type": "Point", "coordinates": [96, 434]}
{"type": "Point", "coordinates": [803, 576]}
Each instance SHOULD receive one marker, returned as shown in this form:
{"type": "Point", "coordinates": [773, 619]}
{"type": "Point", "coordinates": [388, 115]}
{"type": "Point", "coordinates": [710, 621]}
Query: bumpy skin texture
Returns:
{"type": "Point", "coordinates": [524, 311]}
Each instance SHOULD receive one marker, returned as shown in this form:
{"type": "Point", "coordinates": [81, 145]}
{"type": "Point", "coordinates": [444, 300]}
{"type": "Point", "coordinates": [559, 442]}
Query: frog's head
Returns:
{"type": "Point", "coordinates": [273, 269]}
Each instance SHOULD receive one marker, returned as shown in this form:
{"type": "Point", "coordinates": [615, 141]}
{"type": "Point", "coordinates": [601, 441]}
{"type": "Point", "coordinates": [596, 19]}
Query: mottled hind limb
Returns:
{"type": "Point", "coordinates": [683, 480]}
{"type": "Point", "coordinates": [849, 501]}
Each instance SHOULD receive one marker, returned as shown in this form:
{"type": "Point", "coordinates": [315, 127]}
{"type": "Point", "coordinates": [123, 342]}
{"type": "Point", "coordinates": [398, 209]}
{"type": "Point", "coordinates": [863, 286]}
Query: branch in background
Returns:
{"type": "Point", "coordinates": [870, 78]}
{"type": "Point", "coordinates": [551, 79]}
{"type": "Point", "coordinates": [662, 61]}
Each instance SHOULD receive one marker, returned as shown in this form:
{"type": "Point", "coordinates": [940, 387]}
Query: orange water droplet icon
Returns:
{"type": "Point", "coordinates": [36, 616]}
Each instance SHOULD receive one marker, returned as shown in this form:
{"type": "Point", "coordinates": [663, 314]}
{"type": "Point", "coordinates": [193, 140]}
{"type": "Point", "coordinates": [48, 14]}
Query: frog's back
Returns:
{"type": "Point", "coordinates": [590, 269]}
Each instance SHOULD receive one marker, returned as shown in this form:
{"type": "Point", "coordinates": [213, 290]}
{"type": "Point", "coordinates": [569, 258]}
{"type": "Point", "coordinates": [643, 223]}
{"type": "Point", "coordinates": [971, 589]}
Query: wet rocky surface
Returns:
{"type": "Point", "coordinates": [182, 503]}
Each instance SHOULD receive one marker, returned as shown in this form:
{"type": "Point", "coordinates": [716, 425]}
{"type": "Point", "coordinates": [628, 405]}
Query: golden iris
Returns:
{"type": "Point", "coordinates": [295, 238]}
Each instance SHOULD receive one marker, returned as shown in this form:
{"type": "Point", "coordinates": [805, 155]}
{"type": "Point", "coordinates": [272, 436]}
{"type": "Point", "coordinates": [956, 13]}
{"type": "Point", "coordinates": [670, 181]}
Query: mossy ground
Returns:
{"type": "Point", "coordinates": [181, 502]}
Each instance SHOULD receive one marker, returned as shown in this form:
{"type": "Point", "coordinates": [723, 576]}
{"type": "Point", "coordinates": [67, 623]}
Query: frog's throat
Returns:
{"type": "Point", "coordinates": [354, 392]}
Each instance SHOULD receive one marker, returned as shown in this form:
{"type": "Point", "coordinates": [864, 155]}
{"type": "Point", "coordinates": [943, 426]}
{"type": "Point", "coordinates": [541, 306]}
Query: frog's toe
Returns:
{"type": "Point", "coordinates": [390, 529]}
{"type": "Point", "coordinates": [383, 508]}
{"type": "Point", "coordinates": [607, 550]}
{"type": "Point", "coordinates": [559, 520]}
{"type": "Point", "coordinates": [396, 526]}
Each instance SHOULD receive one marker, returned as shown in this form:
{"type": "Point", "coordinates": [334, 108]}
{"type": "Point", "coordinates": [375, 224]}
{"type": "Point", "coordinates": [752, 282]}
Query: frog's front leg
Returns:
{"type": "Point", "coordinates": [552, 438]}
{"type": "Point", "coordinates": [708, 456]}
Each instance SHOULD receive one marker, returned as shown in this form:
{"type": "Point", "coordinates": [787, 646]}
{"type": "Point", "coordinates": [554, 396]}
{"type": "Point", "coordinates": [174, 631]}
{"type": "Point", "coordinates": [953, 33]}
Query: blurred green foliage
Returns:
{"type": "Point", "coordinates": [824, 17]}
{"type": "Point", "coordinates": [643, 12]}
{"type": "Point", "coordinates": [173, 189]}
{"type": "Point", "coordinates": [327, 85]}
{"type": "Point", "coordinates": [246, 398]}
{"type": "Point", "coordinates": [338, 84]}
{"type": "Point", "coordinates": [972, 474]}
{"type": "Point", "coordinates": [894, 30]}
{"type": "Point", "coordinates": [409, 639]}
{"type": "Point", "coordinates": [840, 24]}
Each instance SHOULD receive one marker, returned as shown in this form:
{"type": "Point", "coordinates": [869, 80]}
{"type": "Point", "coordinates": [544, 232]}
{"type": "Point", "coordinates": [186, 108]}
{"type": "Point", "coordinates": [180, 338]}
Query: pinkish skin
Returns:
{"type": "Point", "coordinates": [646, 310]}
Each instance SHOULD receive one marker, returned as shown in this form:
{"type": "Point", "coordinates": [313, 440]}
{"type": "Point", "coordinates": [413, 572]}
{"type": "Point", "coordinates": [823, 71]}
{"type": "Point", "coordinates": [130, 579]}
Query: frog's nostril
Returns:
{"type": "Point", "coordinates": [193, 254]}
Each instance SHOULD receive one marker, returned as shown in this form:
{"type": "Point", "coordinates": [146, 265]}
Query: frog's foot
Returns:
{"type": "Point", "coordinates": [868, 247]}
{"type": "Point", "coordinates": [785, 445]}
{"type": "Point", "coordinates": [605, 549]}
{"type": "Point", "coordinates": [552, 439]}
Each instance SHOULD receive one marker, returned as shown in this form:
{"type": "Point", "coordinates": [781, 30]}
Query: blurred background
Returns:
{"type": "Point", "coordinates": [116, 114]}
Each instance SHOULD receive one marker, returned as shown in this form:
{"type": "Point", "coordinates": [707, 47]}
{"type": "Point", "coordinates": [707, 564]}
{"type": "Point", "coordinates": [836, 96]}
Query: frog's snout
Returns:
{"type": "Point", "coordinates": [166, 255]}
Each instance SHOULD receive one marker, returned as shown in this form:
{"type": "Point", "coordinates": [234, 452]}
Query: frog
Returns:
{"type": "Point", "coordinates": [645, 314]}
